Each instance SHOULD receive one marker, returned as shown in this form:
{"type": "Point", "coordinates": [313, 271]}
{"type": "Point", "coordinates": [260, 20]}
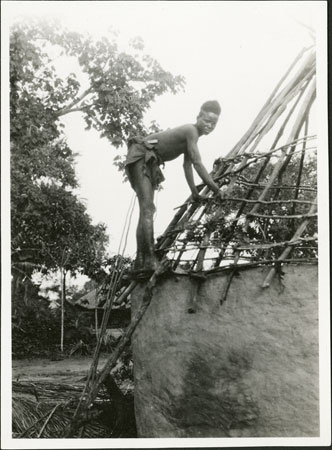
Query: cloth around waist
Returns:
{"type": "Point", "coordinates": [140, 147]}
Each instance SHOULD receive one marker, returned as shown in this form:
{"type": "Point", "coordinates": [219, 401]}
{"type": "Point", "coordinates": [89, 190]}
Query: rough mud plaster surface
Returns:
{"type": "Point", "coordinates": [246, 368]}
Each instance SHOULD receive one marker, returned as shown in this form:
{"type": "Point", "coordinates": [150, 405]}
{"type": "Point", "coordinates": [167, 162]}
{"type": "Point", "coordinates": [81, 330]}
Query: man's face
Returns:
{"type": "Point", "coordinates": [206, 122]}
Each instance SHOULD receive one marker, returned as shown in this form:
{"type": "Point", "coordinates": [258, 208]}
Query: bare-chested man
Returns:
{"type": "Point", "coordinates": [145, 155]}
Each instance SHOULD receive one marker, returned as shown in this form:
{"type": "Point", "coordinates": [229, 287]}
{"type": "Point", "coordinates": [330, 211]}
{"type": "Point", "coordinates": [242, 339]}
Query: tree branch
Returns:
{"type": "Point", "coordinates": [70, 108]}
{"type": "Point", "coordinates": [69, 111]}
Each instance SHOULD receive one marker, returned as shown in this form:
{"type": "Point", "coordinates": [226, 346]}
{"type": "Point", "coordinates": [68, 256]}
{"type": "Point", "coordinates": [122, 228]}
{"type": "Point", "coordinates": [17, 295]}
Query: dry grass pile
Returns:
{"type": "Point", "coordinates": [44, 409]}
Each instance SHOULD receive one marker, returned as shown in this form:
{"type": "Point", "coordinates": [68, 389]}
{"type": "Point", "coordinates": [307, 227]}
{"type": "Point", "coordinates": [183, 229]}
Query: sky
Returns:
{"type": "Point", "coordinates": [234, 52]}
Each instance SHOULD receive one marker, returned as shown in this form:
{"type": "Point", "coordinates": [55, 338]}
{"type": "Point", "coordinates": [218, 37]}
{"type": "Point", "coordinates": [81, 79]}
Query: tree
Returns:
{"type": "Point", "coordinates": [69, 241]}
{"type": "Point", "coordinates": [120, 88]}
{"type": "Point", "coordinates": [59, 235]}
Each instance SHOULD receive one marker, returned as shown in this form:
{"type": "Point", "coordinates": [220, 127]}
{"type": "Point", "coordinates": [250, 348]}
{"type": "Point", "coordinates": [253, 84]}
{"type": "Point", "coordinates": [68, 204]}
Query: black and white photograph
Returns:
{"type": "Point", "coordinates": [164, 224]}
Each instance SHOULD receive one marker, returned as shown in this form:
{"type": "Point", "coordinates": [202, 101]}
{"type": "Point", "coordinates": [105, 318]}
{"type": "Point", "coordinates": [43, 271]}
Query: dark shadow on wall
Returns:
{"type": "Point", "coordinates": [215, 399]}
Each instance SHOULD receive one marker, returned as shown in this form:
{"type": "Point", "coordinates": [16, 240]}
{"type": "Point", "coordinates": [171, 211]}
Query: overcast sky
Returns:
{"type": "Point", "coordinates": [234, 52]}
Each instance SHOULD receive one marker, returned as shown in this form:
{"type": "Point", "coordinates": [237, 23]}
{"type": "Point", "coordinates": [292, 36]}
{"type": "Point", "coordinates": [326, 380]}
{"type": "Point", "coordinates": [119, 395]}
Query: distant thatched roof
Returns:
{"type": "Point", "coordinates": [89, 300]}
{"type": "Point", "coordinates": [96, 299]}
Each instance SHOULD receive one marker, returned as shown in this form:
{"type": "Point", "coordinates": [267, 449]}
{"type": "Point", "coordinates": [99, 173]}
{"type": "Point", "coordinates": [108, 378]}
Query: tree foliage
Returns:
{"type": "Point", "coordinates": [118, 90]}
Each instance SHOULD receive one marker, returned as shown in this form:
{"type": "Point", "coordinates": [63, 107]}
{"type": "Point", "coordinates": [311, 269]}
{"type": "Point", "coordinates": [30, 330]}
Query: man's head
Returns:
{"type": "Point", "coordinates": [208, 117]}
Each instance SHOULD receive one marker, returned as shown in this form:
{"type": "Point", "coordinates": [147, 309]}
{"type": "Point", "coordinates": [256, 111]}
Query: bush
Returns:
{"type": "Point", "coordinates": [36, 329]}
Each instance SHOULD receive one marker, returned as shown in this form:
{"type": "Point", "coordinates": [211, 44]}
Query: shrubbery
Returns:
{"type": "Point", "coordinates": [36, 330]}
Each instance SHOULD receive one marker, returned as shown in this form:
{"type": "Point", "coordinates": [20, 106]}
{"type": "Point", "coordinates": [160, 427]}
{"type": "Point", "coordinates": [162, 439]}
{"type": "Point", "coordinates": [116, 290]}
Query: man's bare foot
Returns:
{"type": "Point", "coordinates": [139, 264]}
{"type": "Point", "coordinates": [150, 264]}
{"type": "Point", "coordinates": [146, 270]}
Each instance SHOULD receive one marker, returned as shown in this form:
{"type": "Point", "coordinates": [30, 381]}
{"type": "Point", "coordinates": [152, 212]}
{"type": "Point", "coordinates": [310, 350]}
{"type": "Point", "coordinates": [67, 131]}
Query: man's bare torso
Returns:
{"type": "Point", "coordinates": [173, 142]}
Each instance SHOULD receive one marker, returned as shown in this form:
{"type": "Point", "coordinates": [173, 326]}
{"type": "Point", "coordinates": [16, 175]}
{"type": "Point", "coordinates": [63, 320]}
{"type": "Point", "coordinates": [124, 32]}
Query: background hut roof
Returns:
{"type": "Point", "coordinates": [96, 298]}
{"type": "Point", "coordinates": [89, 300]}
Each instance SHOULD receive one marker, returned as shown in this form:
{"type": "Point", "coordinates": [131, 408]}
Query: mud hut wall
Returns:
{"type": "Point", "coordinates": [248, 367]}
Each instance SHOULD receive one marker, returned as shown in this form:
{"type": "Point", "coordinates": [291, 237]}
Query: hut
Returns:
{"type": "Point", "coordinates": [94, 303]}
{"type": "Point", "coordinates": [229, 344]}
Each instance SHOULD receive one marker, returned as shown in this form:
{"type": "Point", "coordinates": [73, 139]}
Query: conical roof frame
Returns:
{"type": "Point", "coordinates": [269, 182]}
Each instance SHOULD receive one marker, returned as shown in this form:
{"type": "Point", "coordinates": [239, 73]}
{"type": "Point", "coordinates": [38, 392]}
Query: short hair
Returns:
{"type": "Point", "coordinates": [211, 106]}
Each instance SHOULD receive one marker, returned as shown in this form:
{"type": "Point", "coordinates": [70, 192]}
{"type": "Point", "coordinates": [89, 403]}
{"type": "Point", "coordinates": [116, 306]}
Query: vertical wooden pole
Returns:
{"type": "Point", "coordinates": [63, 295]}
{"type": "Point", "coordinates": [96, 322]}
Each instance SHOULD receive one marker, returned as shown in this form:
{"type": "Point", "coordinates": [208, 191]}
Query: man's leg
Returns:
{"type": "Point", "coordinates": [144, 233]}
{"type": "Point", "coordinates": [139, 262]}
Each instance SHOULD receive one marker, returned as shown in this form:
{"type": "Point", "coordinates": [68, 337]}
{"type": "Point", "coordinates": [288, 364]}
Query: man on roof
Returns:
{"type": "Point", "coordinates": [144, 157]}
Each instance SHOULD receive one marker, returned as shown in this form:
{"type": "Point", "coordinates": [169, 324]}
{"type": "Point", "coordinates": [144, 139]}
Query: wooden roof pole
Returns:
{"type": "Point", "coordinates": [288, 249]}
{"type": "Point", "coordinates": [293, 135]}
{"type": "Point", "coordinates": [266, 106]}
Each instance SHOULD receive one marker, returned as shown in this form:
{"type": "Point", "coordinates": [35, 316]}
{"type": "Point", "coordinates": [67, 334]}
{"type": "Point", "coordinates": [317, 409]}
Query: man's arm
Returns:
{"type": "Point", "coordinates": [188, 171]}
{"type": "Point", "coordinates": [193, 157]}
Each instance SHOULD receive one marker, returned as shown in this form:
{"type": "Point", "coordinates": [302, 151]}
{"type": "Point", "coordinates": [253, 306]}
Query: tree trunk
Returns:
{"type": "Point", "coordinates": [63, 299]}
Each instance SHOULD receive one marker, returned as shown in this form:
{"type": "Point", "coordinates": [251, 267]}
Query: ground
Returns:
{"type": "Point", "coordinates": [73, 368]}
{"type": "Point", "coordinates": [68, 370]}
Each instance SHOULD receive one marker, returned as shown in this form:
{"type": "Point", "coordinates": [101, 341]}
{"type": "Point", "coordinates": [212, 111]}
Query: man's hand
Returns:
{"type": "Point", "coordinates": [220, 195]}
{"type": "Point", "coordinates": [197, 198]}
